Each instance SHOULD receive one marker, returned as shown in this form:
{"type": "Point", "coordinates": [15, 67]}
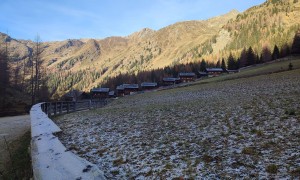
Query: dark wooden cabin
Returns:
{"type": "Point", "coordinates": [100, 93]}
{"type": "Point", "coordinates": [187, 76]}
{"type": "Point", "coordinates": [214, 71]}
{"type": "Point", "coordinates": [170, 81]}
{"type": "Point", "coordinates": [201, 74]}
{"type": "Point", "coordinates": [73, 95]}
{"type": "Point", "coordinates": [148, 85]}
{"type": "Point", "coordinates": [130, 88]}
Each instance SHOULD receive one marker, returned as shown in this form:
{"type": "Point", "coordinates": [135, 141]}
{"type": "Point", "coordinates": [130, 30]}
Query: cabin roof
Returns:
{"type": "Point", "coordinates": [202, 73]}
{"type": "Point", "coordinates": [191, 74]}
{"type": "Point", "coordinates": [100, 90]}
{"type": "Point", "coordinates": [171, 79]}
{"type": "Point", "coordinates": [131, 86]}
{"type": "Point", "coordinates": [149, 84]}
{"type": "Point", "coordinates": [214, 70]}
{"type": "Point", "coordinates": [127, 86]}
{"type": "Point", "coordinates": [232, 70]}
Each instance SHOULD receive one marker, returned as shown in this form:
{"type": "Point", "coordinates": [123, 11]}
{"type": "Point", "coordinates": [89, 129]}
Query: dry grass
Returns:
{"type": "Point", "coordinates": [232, 129]}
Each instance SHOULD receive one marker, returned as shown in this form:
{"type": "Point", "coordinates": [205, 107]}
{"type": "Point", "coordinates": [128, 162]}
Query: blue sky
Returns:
{"type": "Point", "coordinates": [74, 19]}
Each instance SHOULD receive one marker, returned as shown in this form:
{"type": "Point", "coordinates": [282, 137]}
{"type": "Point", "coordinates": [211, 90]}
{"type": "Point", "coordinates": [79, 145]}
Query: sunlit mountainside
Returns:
{"type": "Point", "coordinates": [86, 63]}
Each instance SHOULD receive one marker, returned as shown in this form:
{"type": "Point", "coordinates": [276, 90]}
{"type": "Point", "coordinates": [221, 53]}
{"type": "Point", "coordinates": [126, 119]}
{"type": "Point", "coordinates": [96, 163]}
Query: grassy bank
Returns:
{"type": "Point", "coordinates": [18, 165]}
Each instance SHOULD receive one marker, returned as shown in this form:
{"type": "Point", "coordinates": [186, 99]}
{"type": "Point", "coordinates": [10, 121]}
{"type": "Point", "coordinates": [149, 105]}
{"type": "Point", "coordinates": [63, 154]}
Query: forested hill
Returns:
{"type": "Point", "coordinates": [274, 22]}
{"type": "Point", "coordinates": [86, 63]}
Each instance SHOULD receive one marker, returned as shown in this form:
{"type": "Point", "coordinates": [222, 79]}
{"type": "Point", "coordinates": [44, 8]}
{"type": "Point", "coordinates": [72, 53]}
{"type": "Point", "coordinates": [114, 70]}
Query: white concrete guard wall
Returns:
{"type": "Point", "coordinates": [50, 159]}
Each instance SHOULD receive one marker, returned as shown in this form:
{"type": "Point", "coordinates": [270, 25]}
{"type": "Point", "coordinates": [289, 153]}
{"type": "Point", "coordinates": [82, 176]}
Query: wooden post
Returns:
{"type": "Point", "coordinates": [90, 104]}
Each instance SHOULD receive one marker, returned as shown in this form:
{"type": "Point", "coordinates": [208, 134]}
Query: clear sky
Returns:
{"type": "Point", "coordinates": [74, 19]}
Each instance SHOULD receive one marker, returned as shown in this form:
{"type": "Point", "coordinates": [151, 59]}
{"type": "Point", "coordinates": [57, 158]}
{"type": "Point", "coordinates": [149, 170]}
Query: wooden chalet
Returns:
{"type": "Point", "coordinates": [170, 81]}
{"type": "Point", "coordinates": [148, 85]}
{"type": "Point", "coordinates": [73, 95]}
{"type": "Point", "coordinates": [130, 88]}
{"type": "Point", "coordinates": [187, 76]}
{"type": "Point", "coordinates": [201, 74]}
{"type": "Point", "coordinates": [214, 71]}
{"type": "Point", "coordinates": [100, 93]}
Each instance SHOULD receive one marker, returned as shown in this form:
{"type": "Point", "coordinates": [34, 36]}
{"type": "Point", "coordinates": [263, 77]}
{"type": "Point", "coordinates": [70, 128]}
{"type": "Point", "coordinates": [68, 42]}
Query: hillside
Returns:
{"type": "Point", "coordinates": [274, 22]}
{"type": "Point", "coordinates": [227, 127]}
{"type": "Point", "coordinates": [86, 63]}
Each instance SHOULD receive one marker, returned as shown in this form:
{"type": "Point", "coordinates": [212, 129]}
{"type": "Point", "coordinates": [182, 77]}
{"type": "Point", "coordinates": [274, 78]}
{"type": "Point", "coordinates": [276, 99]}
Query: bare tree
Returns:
{"type": "Point", "coordinates": [4, 74]}
{"type": "Point", "coordinates": [36, 63]}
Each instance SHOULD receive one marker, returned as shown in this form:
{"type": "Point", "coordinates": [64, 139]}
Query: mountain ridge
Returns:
{"type": "Point", "coordinates": [181, 42]}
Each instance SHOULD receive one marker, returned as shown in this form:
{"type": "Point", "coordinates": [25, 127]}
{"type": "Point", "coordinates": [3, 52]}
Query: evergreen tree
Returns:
{"type": "Point", "coordinates": [231, 63]}
{"type": "Point", "coordinates": [250, 57]}
{"type": "Point", "coordinates": [296, 44]}
{"type": "Point", "coordinates": [243, 58]}
{"type": "Point", "coordinates": [285, 50]}
{"type": "Point", "coordinates": [266, 55]}
{"type": "Point", "coordinates": [203, 65]}
{"type": "Point", "coordinates": [218, 65]}
{"type": "Point", "coordinates": [275, 54]}
{"type": "Point", "coordinates": [223, 65]}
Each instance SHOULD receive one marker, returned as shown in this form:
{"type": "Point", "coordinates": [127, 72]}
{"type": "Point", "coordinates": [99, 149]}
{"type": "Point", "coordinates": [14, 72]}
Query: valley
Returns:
{"type": "Point", "coordinates": [87, 63]}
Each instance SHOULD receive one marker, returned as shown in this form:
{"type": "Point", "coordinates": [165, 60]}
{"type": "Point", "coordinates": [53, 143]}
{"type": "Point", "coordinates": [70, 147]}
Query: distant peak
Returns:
{"type": "Point", "coordinates": [146, 30]}
{"type": "Point", "coordinates": [234, 11]}
{"type": "Point", "coordinates": [142, 33]}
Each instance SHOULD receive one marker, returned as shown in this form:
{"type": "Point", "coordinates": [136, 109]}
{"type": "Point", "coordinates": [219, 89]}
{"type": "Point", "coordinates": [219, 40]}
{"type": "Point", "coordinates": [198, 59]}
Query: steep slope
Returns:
{"type": "Point", "coordinates": [18, 49]}
{"type": "Point", "coordinates": [86, 63]}
{"type": "Point", "coordinates": [271, 23]}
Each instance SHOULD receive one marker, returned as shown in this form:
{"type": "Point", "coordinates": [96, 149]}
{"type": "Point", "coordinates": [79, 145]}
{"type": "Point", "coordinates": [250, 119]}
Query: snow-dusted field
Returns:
{"type": "Point", "coordinates": [232, 129]}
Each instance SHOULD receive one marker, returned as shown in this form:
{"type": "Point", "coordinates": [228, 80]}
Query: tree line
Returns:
{"type": "Point", "coordinates": [31, 82]}
{"type": "Point", "coordinates": [247, 57]}
{"type": "Point", "coordinates": [24, 84]}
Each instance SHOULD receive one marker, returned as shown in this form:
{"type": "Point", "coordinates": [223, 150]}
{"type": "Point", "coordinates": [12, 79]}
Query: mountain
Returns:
{"type": "Point", "coordinates": [86, 63]}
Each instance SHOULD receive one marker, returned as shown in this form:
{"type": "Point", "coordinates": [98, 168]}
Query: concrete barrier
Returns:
{"type": "Point", "coordinates": [50, 158]}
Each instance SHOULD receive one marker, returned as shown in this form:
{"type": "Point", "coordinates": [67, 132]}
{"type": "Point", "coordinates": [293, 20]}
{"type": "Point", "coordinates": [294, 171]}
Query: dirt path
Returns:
{"type": "Point", "coordinates": [12, 128]}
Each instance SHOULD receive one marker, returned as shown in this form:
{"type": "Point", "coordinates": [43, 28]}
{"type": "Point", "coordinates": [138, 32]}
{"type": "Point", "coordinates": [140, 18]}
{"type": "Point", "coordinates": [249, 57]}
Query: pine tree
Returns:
{"type": "Point", "coordinates": [231, 63]}
{"type": "Point", "coordinates": [266, 55]}
{"type": "Point", "coordinates": [250, 57]}
{"type": "Point", "coordinates": [285, 50]}
{"type": "Point", "coordinates": [223, 65]}
{"type": "Point", "coordinates": [243, 58]}
{"type": "Point", "coordinates": [218, 65]}
{"type": "Point", "coordinates": [275, 54]}
{"type": "Point", "coordinates": [203, 65]}
{"type": "Point", "coordinates": [296, 44]}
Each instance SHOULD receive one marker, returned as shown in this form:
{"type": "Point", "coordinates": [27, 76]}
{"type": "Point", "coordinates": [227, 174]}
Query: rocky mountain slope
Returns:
{"type": "Point", "coordinates": [92, 61]}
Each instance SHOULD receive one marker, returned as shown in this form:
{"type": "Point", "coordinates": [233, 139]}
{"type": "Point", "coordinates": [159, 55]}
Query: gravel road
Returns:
{"type": "Point", "coordinates": [11, 128]}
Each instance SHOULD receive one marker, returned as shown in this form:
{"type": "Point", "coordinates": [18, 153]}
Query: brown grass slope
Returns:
{"type": "Point", "coordinates": [273, 22]}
